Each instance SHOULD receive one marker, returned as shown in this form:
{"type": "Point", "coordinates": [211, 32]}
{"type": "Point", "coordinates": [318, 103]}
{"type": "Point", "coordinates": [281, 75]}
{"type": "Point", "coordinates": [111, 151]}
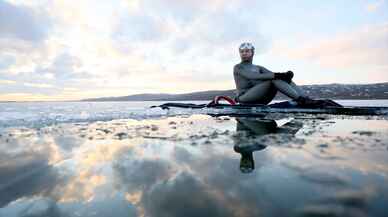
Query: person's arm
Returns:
{"type": "Point", "coordinates": [264, 70]}
{"type": "Point", "coordinates": [285, 76]}
{"type": "Point", "coordinates": [258, 75]}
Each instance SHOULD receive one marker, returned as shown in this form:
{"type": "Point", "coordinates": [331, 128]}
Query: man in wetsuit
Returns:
{"type": "Point", "coordinates": [258, 85]}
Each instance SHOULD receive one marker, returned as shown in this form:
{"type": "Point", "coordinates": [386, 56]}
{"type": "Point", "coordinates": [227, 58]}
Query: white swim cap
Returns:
{"type": "Point", "coordinates": [246, 45]}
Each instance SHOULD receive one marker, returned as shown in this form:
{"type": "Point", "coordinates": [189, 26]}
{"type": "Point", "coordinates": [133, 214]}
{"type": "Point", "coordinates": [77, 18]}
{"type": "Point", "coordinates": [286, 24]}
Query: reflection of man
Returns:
{"type": "Point", "coordinates": [245, 143]}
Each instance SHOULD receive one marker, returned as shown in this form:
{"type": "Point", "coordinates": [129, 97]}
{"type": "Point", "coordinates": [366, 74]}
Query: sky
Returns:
{"type": "Point", "coordinates": [70, 50]}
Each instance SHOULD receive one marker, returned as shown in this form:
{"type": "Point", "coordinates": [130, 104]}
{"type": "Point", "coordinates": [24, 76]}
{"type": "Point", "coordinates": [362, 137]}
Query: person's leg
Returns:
{"type": "Point", "coordinates": [261, 93]}
{"type": "Point", "coordinates": [265, 91]}
{"type": "Point", "coordinates": [287, 89]}
{"type": "Point", "coordinates": [297, 89]}
{"type": "Point", "coordinates": [258, 127]}
{"type": "Point", "coordinates": [293, 91]}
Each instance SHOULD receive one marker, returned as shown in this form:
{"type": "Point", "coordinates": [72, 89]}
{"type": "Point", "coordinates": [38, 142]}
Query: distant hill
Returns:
{"type": "Point", "coordinates": [333, 91]}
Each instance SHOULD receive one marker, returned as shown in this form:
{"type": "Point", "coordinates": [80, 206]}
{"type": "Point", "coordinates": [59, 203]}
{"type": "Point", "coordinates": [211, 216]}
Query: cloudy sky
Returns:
{"type": "Point", "coordinates": [67, 49]}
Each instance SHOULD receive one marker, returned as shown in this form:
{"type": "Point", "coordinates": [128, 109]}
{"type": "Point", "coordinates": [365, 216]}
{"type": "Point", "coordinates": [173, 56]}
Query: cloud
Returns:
{"type": "Point", "coordinates": [130, 52]}
{"type": "Point", "coordinates": [7, 82]}
{"type": "Point", "coordinates": [364, 49]}
{"type": "Point", "coordinates": [63, 67]}
{"type": "Point", "coordinates": [22, 22]}
{"type": "Point", "coordinates": [6, 61]}
{"type": "Point", "coordinates": [182, 12]}
{"type": "Point", "coordinates": [140, 27]}
{"type": "Point", "coordinates": [41, 85]}
{"type": "Point", "coordinates": [189, 25]}
{"type": "Point", "coordinates": [20, 96]}
{"type": "Point", "coordinates": [372, 7]}
{"type": "Point", "coordinates": [126, 47]}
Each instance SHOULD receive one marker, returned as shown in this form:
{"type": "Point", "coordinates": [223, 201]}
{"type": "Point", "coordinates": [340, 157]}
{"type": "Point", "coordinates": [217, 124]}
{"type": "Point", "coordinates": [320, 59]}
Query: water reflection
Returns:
{"type": "Point", "coordinates": [26, 168]}
{"type": "Point", "coordinates": [158, 171]}
{"type": "Point", "coordinates": [249, 130]}
{"type": "Point", "coordinates": [27, 178]}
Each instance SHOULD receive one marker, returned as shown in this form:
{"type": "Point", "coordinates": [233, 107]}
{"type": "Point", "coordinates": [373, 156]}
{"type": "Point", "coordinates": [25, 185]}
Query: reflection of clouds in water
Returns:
{"type": "Point", "coordinates": [183, 195]}
{"type": "Point", "coordinates": [90, 171]}
{"type": "Point", "coordinates": [244, 193]}
{"type": "Point", "coordinates": [137, 175]}
{"type": "Point", "coordinates": [140, 174]}
{"type": "Point", "coordinates": [347, 203]}
{"type": "Point", "coordinates": [204, 183]}
{"type": "Point", "coordinates": [30, 178]}
{"type": "Point", "coordinates": [27, 158]}
{"type": "Point", "coordinates": [187, 194]}
{"type": "Point", "coordinates": [35, 207]}
{"type": "Point", "coordinates": [327, 178]}
{"type": "Point", "coordinates": [116, 206]}
{"type": "Point", "coordinates": [45, 207]}
{"type": "Point", "coordinates": [156, 177]}
{"type": "Point", "coordinates": [68, 142]}
{"type": "Point", "coordinates": [334, 153]}
{"type": "Point", "coordinates": [102, 152]}
{"type": "Point", "coordinates": [320, 175]}
{"type": "Point", "coordinates": [26, 165]}
{"type": "Point", "coordinates": [85, 172]}
{"type": "Point", "coordinates": [81, 187]}
{"type": "Point", "coordinates": [42, 141]}
{"type": "Point", "coordinates": [182, 155]}
{"type": "Point", "coordinates": [42, 208]}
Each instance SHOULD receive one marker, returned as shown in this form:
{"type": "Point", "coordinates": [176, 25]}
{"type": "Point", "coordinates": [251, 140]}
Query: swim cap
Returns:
{"type": "Point", "coordinates": [246, 45]}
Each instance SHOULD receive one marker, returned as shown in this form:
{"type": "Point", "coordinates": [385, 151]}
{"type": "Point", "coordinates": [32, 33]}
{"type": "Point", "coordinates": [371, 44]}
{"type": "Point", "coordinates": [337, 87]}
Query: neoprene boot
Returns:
{"type": "Point", "coordinates": [307, 102]}
{"type": "Point", "coordinates": [304, 101]}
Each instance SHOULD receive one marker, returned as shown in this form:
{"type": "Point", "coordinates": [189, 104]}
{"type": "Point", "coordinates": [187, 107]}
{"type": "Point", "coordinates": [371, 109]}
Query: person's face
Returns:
{"type": "Point", "coordinates": [246, 54]}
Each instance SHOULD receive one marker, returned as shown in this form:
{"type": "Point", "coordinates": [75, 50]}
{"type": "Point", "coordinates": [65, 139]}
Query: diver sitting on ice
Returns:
{"type": "Point", "coordinates": [258, 85]}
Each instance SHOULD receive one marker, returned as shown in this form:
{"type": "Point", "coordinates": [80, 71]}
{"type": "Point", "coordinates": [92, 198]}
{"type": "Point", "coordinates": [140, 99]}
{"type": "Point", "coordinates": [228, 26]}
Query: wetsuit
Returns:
{"type": "Point", "coordinates": [256, 84]}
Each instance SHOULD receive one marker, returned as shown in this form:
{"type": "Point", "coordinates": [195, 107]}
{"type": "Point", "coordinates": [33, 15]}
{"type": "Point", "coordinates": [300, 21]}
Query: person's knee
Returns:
{"type": "Point", "coordinates": [257, 92]}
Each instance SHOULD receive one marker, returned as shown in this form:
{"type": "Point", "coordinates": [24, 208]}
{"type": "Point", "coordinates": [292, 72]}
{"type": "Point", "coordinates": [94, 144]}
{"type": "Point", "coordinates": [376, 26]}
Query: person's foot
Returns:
{"type": "Point", "coordinates": [304, 101]}
{"type": "Point", "coordinates": [307, 102]}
